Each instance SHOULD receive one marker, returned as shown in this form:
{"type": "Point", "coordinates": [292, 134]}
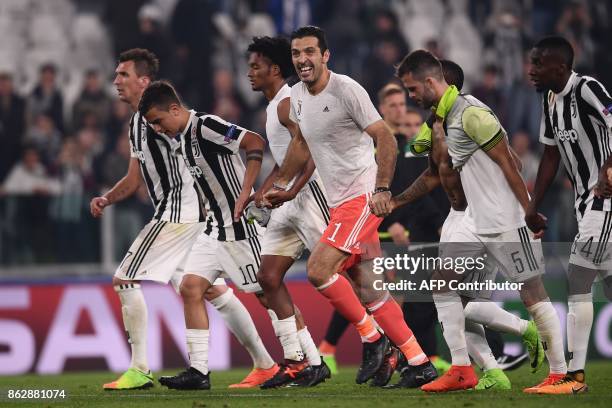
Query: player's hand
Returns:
{"type": "Point", "coordinates": [275, 197]}
{"type": "Point", "coordinates": [241, 203]}
{"type": "Point", "coordinates": [380, 203]}
{"type": "Point", "coordinates": [603, 189]}
{"type": "Point", "coordinates": [398, 234]}
{"type": "Point", "coordinates": [97, 205]}
{"type": "Point", "coordinates": [536, 223]}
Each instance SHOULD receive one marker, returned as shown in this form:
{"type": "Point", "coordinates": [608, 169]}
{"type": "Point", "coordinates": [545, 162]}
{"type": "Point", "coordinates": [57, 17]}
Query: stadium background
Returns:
{"type": "Point", "coordinates": [64, 139]}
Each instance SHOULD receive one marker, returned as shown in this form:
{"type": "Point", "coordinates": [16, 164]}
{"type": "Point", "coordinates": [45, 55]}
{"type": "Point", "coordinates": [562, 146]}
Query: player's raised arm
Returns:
{"type": "Point", "coordinates": [253, 144]}
{"type": "Point", "coordinates": [120, 191]}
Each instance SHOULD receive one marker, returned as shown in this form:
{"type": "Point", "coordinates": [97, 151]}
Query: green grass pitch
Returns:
{"type": "Point", "coordinates": [84, 390]}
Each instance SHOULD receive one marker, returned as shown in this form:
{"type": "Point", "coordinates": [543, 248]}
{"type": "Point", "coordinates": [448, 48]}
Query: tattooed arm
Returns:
{"type": "Point", "coordinates": [423, 185]}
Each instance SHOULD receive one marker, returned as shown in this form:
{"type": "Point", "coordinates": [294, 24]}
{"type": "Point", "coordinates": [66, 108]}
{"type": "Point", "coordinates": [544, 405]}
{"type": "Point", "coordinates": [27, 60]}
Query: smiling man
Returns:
{"type": "Point", "coordinates": [576, 123]}
{"type": "Point", "coordinates": [337, 125]}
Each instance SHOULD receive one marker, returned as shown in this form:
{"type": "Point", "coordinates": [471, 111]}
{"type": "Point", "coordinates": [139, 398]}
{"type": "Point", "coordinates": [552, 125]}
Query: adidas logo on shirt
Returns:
{"type": "Point", "coordinates": [326, 109]}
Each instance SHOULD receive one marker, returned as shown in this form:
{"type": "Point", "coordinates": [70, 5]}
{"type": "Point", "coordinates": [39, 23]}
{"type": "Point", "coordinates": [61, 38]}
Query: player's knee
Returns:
{"type": "Point", "coordinates": [317, 273]}
{"type": "Point", "coordinates": [533, 291]}
{"type": "Point", "coordinates": [268, 281]}
{"type": "Point", "coordinates": [191, 291]}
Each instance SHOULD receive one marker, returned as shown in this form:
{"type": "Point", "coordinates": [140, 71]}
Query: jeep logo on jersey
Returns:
{"type": "Point", "coordinates": [566, 135]}
{"type": "Point", "coordinates": [195, 147]}
{"type": "Point", "coordinates": [195, 171]}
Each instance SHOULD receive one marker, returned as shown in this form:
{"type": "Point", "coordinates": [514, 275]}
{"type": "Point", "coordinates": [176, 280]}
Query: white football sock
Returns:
{"type": "Point", "coordinates": [579, 322]}
{"type": "Point", "coordinates": [239, 322]}
{"type": "Point", "coordinates": [308, 347]}
{"type": "Point", "coordinates": [549, 328]}
{"type": "Point", "coordinates": [477, 346]}
{"type": "Point", "coordinates": [287, 334]}
{"type": "Point", "coordinates": [494, 317]}
{"type": "Point", "coordinates": [452, 321]}
{"type": "Point", "coordinates": [197, 346]}
{"type": "Point", "coordinates": [134, 311]}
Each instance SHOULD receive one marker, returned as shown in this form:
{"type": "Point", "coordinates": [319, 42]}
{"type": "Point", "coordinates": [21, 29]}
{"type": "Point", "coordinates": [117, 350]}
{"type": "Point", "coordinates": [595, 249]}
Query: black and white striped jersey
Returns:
{"type": "Point", "coordinates": [168, 181]}
{"type": "Point", "coordinates": [210, 148]}
{"type": "Point", "coordinates": [578, 121]}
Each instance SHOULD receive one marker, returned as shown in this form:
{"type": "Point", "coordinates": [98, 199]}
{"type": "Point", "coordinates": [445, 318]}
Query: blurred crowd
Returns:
{"type": "Point", "coordinates": [64, 134]}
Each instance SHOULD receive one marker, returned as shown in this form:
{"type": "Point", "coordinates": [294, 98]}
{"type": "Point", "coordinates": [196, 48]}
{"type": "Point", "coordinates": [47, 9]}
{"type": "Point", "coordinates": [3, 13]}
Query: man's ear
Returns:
{"type": "Point", "coordinates": [275, 69]}
{"type": "Point", "coordinates": [429, 81]}
{"type": "Point", "coordinates": [326, 56]}
{"type": "Point", "coordinates": [144, 81]}
{"type": "Point", "coordinates": [174, 109]}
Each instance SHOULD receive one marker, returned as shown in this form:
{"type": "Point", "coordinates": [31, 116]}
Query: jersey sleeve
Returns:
{"type": "Point", "coordinates": [596, 95]}
{"type": "Point", "coordinates": [547, 136]}
{"type": "Point", "coordinates": [359, 105]}
{"type": "Point", "coordinates": [221, 132]}
{"type": "Point", "coordinates": [482, 127]}
{"type": "Point", "coordinates": [131, 138]}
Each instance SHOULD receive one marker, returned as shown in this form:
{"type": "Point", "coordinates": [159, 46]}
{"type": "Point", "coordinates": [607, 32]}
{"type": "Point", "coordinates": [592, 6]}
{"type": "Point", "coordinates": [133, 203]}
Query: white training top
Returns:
{"type": "Point", "coordinates": [333, 123]}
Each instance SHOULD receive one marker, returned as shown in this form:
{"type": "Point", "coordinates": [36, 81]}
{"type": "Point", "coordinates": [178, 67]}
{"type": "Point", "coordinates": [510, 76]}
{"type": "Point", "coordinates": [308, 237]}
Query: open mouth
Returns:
{"type": "Point", "coordinates": [306, 70]}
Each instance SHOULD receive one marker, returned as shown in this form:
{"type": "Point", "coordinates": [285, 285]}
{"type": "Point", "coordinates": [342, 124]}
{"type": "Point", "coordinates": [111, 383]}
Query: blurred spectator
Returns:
{"type": "Point", "coordinates": [46, 98]}
{"type": "Point", "coordinates": [458, 31]}
{"type": "Point", "coordinates": [237, 26]}
{"type": "Point", "coordinates": [29, 176]}
{"type": "Point", "coordinates": [67, 208]}
{"type": "Point", "coordinates": [93, 99]}
{"type": "Point", "coordinates": [12, 124]}
{"type": "Point", "coordinates": [524, 107]}
{"type": "Point", "coordinates": [119, 117]}
{"type": "Point", "coordinates": [45, 137]}
{"type": "Point", "coordinates": [490, 93]}
{"type": "Point", "coordinates": [345, 37]}
{"type": "Point", "coordinates": [153, 37]}
{"type": "Point", "coordinates": [387, 48]}
{"type": "Point", "coordinates": [121, 18]}
{"type": "Point", "coordinates": [505, 40]}
{"type": "Point", "coordinates": [28, 188]}
{"type": "Point", "coordinates": [575, 24]}
{"type": "Point", "coordinates": [289, 15]}
{"type": "Point", "coordinates": [194, 36]}
{"type": "Point", "coordinates": [227, 104]}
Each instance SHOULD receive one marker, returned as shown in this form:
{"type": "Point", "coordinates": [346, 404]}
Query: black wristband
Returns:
{"type": "Point", "coordinates": [381, 190]}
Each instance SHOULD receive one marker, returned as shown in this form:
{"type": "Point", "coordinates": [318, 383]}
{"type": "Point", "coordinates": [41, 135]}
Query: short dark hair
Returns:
{"type": "Point", "coordinates": [453, 74]}
{"type": "Point", "coordinates": [145, 62]}
{"type": "Point", "coordinates": [277, 50]}
{"type": "Point", "coordinates": [420, 63]}
{"type": "Point", "coordinates": [311, 31]}
{"type": "Point", "coordinates": [559, 46]}
{"type": "Point", "coordinates": [159, 94]}
{"type": "Point", "coordinates": [388, 90]}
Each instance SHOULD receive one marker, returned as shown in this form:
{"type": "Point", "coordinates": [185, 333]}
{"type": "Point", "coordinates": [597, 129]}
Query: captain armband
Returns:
{"type": "Point", "coordinates": [254, 155]}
